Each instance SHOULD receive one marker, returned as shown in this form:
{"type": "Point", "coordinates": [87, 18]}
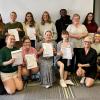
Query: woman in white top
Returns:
{"type": "Point", "coordinates": [77, 31]}
{"type": "Point", "coordinates": [31, 28]}
{"type": "Point", "coordinates": [47, 24]}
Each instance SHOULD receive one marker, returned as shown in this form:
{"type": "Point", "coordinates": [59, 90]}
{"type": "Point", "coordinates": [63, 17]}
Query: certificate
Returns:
{"type": "Point", "coordinates": [17, 55]}
{"type": "Point", "coordinates": [31, 33]}
{"type": "Point", "coordinates": [48, 49]}
{"type": "Point", "coordinates": [15, 33]}
{"type": "Point", "coordinates": [31, 61]}
{"type": "Point", "coordinates": [67, 52]}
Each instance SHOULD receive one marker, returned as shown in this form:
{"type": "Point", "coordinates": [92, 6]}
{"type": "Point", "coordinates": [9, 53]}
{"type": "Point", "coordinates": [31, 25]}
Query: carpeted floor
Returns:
{"type": "Point", "coordinates": [33, 91]}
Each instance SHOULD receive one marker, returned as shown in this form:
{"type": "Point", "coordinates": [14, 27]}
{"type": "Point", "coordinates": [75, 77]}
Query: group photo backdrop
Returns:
{"type": "Point", "coordinates": [37, 7]}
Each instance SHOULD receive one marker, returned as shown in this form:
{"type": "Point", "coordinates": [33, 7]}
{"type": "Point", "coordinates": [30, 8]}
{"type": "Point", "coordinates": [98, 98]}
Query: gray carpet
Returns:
{"type": "Point", "coordinates": [33, 91]}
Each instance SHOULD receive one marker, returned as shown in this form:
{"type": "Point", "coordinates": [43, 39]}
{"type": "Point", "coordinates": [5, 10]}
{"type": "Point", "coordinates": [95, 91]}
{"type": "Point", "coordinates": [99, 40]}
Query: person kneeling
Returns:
{"type": "Point", "coordinates": [29, 66]}
{"type": "Point", "coordinates": [64, 58]}
{"type": "Point", "coordinates": [87, 63]}
{"type": "Point", "coordinates": [10, 75]}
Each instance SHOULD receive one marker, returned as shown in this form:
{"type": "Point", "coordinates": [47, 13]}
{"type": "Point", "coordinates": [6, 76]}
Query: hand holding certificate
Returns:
{"type": "Point", "coordinates": [31, 33]}
{"type": "Point", "coordinates": [17, 55]}
{"type": "Point", "coordinates": [67, 52]}
{"type": "Point", "coordinates": [31, 61]}
{"type": "Point", "coordinates": [48, 49]}
{"type": "Point", "coordinates": [15, 33]}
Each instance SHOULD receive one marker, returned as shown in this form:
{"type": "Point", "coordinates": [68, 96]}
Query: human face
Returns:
{"type": "Point", "coordinates": [97, 39]}
{"type": "Point", "coordinates": [48, 36]}
{"type": "Point", "coordinates": [76, 20]}
{"type": "Point", "coordinates": [10, 41]}
{"type": "Point", "coordinates": [29, 17]}
{"type": "Point", "coordinates": [63, 13]}
{"type": "Point", "coordinates": [13, 17]}
{"type": "Point", "coordinates": [65, 37]}
{"type": "Point", "coordinates": [45, 17]}
{"type": "Point", "coordinates": [86, 44]}
{"type": "Point", "coordinates": [90, 17]}
{"type": "Point", "coordinates": [27, 44]}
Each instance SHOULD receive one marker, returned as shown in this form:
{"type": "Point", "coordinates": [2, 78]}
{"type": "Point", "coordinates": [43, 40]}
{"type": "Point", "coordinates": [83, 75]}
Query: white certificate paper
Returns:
{"type": "Point", "coordinates": [31, 33]}
{"type": "Point", "coordinates": [48, 49]}
{"type": "Point", "coordinates": [67, 52]}
{"type": "Point", "coordinates": [31, 61]}
{"type": "Point", "coordinates": [15, 33]}
{"type": "Point", "coordinates": [17, 55]}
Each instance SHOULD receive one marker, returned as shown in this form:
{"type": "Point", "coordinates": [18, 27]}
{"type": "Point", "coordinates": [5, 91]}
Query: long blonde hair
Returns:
{"type": "Point", "coordinates": [49, 18]}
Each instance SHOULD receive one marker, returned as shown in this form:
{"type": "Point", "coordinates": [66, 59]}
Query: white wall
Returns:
{"type": "Point", "coordinates": [38, 6]}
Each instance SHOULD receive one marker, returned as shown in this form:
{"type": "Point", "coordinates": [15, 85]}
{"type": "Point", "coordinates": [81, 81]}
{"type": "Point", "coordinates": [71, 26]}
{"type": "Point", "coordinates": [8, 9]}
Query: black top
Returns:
{"type": "Point", "coordinates": [62, 24]}
{"type": "Point", "coordinates": [90, 58]}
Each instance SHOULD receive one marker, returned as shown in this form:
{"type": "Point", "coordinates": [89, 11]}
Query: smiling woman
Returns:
{"type": "Point", "coordinates": [86, 62]}
{"type": "Point", "coordinates": [10, 75]}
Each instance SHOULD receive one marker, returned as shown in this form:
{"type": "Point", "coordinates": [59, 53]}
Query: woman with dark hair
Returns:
{"type": "Point", "coordinates": [64, 63]}
{"type": "Point", "coordinates": [28, 50]}
{"type": "Point", "coordinates": [90, 23]}
{"type": "Point", "coordinates": [2, 36]}
{"type": "Point", "coordinates": [47, 24]}
{"type": "Point", "coordinates": [31, 28]}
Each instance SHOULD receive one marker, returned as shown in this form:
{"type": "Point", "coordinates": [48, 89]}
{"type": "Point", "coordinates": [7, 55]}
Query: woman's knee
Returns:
{"type": "Point", "coordinates": [61, 65]}
{"type": "Point", "coordinates": [78, 74]}
{"type": "Point", "coordinates": [19, 84]}
{"type": "Point", "coordinates": [19, 87]}
{"type": "Point", "coordinates": [35, 70]}
{"type": "Point", "coordinates": [89, 82]}
{"type": "Point", "coordinates": [10, 86]}
{"type": "Point", "coordinates": [24, 72]}
{"type": "Point", "coordinates": [10, 90]}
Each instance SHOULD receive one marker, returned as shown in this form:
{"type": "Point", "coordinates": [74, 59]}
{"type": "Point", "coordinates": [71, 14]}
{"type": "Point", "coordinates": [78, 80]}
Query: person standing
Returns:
{"type": "Point", "coordinates": [47, 24]}
{"type": "Point", "coordinates": [62, 23]}
{"type": "Point", "coordinates": [13, 24]}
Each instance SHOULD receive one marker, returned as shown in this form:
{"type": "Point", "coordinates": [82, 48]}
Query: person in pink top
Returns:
{"type": "Point", "coordinates": [26, 50]}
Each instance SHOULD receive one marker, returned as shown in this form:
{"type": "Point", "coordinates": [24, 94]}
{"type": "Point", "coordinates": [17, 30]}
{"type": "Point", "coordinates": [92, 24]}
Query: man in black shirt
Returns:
{"type": "Point", "coordinates": [62, 23]}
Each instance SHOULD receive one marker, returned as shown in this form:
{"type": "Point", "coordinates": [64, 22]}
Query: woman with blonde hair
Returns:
{"type": "Point", "coordinates": [87, 63]}
{"type": "Point", "coordinates": [45, 61]}
{"type": "Point", "coordinates": [47, 24]}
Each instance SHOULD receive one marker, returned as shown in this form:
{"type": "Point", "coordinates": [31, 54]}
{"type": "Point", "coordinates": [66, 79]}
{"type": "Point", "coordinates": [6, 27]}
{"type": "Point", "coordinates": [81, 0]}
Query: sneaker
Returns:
{"type": "Point", "coordinates": [69, 82]}
{"type": "Point", "coordinates": [62, 83]}
{"type": "Point", "coordinates": [82, 81]}
{"type": "Point", "coordinates": [47, 86]}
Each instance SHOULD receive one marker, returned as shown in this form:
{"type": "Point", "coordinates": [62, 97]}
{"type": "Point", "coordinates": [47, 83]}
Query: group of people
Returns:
{"type": "Point", "coordinates": [82, 41]}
